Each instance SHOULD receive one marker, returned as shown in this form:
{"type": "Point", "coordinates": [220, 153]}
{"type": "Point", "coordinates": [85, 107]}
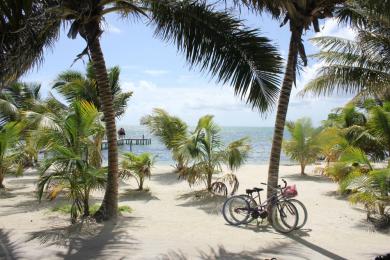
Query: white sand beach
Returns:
{"type": "Point", "coordinates": [170, 223]}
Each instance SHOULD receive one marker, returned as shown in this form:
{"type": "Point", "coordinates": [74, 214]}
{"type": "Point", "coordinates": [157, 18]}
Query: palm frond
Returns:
{"type": "Point", "coordinates": [218, 43]}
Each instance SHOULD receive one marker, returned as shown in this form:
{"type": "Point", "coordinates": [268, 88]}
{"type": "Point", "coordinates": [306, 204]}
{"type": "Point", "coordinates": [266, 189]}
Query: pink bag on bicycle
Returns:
{"type": "Point", "coordinates": [290, 191]}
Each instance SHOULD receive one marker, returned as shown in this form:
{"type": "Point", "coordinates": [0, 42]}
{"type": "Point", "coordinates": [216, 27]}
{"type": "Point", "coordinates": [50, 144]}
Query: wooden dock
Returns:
{"type": "Point", "coordinates": [129, 141]}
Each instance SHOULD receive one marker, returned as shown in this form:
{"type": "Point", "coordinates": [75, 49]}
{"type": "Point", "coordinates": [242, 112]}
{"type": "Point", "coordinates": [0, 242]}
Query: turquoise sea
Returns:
{"type": "Point", "coordinates": [260, 138]}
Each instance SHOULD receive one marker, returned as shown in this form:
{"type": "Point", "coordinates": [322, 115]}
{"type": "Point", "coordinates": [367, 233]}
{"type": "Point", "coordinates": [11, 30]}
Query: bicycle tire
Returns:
{"type": "Point", "coordinates": [252, 203]}
{"type": "Point", "coordinates": [228, 210]}
{"type": "Point", "coordinates": [279, 215]}
{"type": "Point", "coordinates": [302, 220]}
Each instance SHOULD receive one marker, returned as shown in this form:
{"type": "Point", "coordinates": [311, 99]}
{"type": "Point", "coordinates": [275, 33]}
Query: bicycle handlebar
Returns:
{"type": "Point", "coordinates": [278, 187]}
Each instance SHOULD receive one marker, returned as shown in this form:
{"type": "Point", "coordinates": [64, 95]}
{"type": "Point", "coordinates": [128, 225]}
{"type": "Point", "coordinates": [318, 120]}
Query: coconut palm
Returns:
{"type": "Point", "coordinates": [70, 149]}
{"type": "Point", "coordinates": [73, 85]}
{"type": "Point", "coordinates": [359, 66]}
{"type": "Point", "coordinates": [300, 15]}
{"type": "Point", "coordinates": [26, 29]}
{"type": "Point", "coordinates": [304, 143]}
{"type": "Point", "coordinates": [9, 156]}
{"type": "Point", "coordinates": [214, 41]}
{"type": "Point", "coordinates": [171, 131]}
{"type": "Point", "coordinates": [137, 166]}
{"type": "Point", "coordinates": [207, 155]}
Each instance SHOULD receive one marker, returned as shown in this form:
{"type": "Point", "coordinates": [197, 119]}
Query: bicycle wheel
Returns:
{"type": "Point", "coordinates": [284, 216]}
{"type": "Point", "coordinates": [236, 210]}
{"type": "Point", "coordinates": [302, 212]}
{"type": "Point", "coordinates": [253, 204]}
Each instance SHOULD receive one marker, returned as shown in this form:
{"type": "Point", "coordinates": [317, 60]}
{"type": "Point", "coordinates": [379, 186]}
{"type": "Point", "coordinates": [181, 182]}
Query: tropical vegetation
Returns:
{"type": "Point", "coordinates": [304, 145]}
{"type": "Point", "coordinates": [220, 44]}
{"type": "Point", "coordinates": [137, 166]}
{"type": "Point", "coordinates": [171, 131]}
{"type": "Point", "coordinates": [71, 166]}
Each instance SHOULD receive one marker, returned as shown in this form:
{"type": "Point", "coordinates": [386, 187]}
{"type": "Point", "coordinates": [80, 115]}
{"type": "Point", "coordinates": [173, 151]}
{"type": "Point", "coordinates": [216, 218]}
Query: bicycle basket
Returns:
{"type": "Point", "coordinates": [290, 191]}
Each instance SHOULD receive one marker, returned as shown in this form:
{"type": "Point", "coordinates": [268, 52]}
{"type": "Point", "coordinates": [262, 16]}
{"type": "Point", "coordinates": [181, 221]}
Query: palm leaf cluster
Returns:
{"type": "Point", "coordinates": [359, 66]}
{"type": "Point", "coordinates": [73, 85]}
{"type": "Point", "coordinates": [71, 166]}
{"type": "Point", "coordinates": [26, 29]}
{"type": "Point", "coordinates": [304, 145]}
{"type": "Point", "coordinates": [207, 155]}
{"type": "Point", "coordinates": [137, 166]}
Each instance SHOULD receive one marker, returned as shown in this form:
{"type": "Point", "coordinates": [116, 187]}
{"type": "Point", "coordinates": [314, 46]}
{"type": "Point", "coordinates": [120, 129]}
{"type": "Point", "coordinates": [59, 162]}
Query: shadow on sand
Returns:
{"type": "Point", "coordinates": [136, 195]}
{"type": "Point", "coordinates": [9, 250]}
{"type": "Point", "coordinates": [204, 200]}
{"type": "Point", "coordinates": [166, 178]}
{"type": "Point", "coordinates": [314, 178]}
{"type": "Point", "coordinates": [298, 235]}
{"type": "Point", "coordinates": [89, 240]}
{"type": "Point", "coordinates": [279, 250]}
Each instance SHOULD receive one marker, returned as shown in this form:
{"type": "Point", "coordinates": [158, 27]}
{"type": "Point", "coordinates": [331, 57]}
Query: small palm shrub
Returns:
{"type": "Point", "coordinates": [137, 166]}
{"type": "Point", "coordinates": [70, 166]}
{"type": "Point", "coordinates": [304, 143]}
{"type": "Point", "coordinates": [206, 156]}
{"type": "Point", "coordinates": [373, 191]}
{"type": "Point", "coordinates": [171, 131]}
{"type": "Point", "coordinates": [10, 157]}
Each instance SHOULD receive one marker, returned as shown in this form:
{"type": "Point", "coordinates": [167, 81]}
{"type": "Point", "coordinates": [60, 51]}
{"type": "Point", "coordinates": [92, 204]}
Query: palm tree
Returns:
{"type": "Point", "coordinates": [9, 156]}
{"type": "Point", "coordinates": [213, 40]}
{"type": "Point", "coordinates": [171, 131]}
{"type": "Point", "coordinates": [71, 148]}
{"type": "Point", "coordinates": [206, 153]}
{"type": "Point", "coordinates": [138, 166]}
{"type": "Point", "coordinates": [359, 66]}
{"type": "Point", "coordinates": [26, 29]}
{"type": "Point", "coordinates": [73, 85]}
{"type": "Point", "coordinates": [379, 126]}
{"type": "Point", "coordinates": [304, 143]}
{"type": "Point", "coordinates": [300, 15]}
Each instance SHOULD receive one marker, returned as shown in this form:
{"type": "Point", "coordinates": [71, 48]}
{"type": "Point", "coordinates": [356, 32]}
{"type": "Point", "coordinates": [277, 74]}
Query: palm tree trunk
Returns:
{"type": "Point", "coordinates": [109, 207]}
{"type": "Point", "coordinates": [303, 169]}
{"type": "Point", "coordinates": [284, 98]}
{"type": "Point", "coordinates": [1, 181]}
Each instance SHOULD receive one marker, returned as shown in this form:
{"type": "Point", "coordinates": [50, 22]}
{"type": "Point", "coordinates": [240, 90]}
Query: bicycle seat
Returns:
{"type": "Point", "coordinates": [249, 191]}
{"type": "Point", "coordinates": [257, 189]}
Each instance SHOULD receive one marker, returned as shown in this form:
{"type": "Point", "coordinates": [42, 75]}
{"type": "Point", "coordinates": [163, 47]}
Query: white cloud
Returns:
{"type": "Point", "coordinates": [156, 73]}
{"type": "Point", "coordinates": [331, 27]}
{"type": "Point", "coordinates": [110, 28]}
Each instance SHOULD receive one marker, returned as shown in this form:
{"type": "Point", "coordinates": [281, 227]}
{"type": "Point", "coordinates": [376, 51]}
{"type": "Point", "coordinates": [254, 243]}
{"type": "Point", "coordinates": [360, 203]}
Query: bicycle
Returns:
{"type": "Point", "coordinates": [284, 215]}
{"type": "Point", "coordinates": [286, 195]}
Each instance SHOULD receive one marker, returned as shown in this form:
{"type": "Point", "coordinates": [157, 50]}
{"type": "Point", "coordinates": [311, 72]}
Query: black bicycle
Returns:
{"type": "Point", "coordinates": [238, 210]}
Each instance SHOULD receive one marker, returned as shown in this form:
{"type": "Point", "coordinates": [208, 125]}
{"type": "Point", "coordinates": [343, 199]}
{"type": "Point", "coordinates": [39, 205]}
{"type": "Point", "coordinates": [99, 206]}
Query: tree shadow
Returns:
{"type": "Point", "coordinates": [9, 250]}
{"type": "Point", "coordinates": [166, 178]}
{"type": "Point", "coordinates": [89, 240]}
{"type": "Point", "coordinates": [136, 195]}
{"type": "Point", "coordinates": [297, 237]}
{"type": "Point", "coordinates": [336, 195]}
{"type": "Point", "coordinates": [314, 178]}
{"type": "Point", "coordinates": [278, 250]}
{"type": "Point", "coordinates": [204, 200]}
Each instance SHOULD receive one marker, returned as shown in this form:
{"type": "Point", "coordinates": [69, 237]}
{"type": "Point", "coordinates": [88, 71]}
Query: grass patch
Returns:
{"type": "Point", "coordinates": [65, 209]}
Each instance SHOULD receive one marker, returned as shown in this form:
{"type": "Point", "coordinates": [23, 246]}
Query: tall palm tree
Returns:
{"type": "Point", "coordinates": [73, 85]}
{"type": "Point", "coordinates": [300, 15]}
{"type": "Point", "coordinates": [214, 41]}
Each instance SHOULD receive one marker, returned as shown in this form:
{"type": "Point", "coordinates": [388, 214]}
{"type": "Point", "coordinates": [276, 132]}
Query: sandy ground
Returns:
{"type": "Point", "coordinates": [170, 223]}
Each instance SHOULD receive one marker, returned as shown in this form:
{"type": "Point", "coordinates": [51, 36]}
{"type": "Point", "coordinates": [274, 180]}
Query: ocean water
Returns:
{"type": "Point", "coordinates": [260, 139]}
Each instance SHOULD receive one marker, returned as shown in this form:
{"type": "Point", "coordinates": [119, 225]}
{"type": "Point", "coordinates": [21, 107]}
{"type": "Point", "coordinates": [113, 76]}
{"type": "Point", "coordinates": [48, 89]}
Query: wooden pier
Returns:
{"type": "Point", "coordinates": [129, 141]}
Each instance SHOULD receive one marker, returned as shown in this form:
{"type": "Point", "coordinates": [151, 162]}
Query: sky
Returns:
{"type": "Point", "coordinates": [160, 78]}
